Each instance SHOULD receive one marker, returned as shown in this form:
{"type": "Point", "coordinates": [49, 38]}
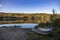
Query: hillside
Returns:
{"type": "Point", "coordinates": [16, 18]}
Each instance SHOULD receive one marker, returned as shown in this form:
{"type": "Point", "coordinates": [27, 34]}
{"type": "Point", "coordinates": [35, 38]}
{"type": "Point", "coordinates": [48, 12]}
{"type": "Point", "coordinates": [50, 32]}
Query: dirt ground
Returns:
{"type": "Point", "coordinates": [12, 34]}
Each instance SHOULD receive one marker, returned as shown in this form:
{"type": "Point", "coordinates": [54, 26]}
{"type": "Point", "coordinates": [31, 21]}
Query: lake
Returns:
{"type": "Point", "coordinates": [23, 25]}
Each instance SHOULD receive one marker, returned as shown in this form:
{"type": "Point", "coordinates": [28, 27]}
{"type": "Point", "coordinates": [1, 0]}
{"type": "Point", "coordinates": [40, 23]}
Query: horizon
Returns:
{"type": "Point", "coordinates": [31, 12]}
{"type": "Point", "coordinates": [28, 13]}
{"type": "Point", "coordinates": [29, 6]}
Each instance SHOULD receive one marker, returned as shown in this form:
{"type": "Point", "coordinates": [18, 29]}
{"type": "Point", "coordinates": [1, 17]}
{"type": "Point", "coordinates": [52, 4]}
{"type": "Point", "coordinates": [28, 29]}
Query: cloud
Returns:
{"type": "Point", "coordinates": [0, 5]}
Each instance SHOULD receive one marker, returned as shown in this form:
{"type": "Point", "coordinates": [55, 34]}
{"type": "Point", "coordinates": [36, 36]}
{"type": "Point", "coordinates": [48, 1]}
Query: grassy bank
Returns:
{"type": "Point", "coordinates": [51, 36]}
{"type": "Point", "coordinates": [54, 35]}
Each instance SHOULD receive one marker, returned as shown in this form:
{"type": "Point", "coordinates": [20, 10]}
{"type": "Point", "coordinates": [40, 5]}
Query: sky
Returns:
{"type": "Point", "coordinates": [29, 6]}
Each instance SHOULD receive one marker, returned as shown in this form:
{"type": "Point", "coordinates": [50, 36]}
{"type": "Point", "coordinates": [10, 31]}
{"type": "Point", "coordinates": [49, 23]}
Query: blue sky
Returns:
{"type": "Point", "coordinates": [29, 6]}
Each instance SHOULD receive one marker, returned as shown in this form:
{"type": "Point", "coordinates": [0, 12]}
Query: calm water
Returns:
{"type": "Point", "coordinates": [23, 25]}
